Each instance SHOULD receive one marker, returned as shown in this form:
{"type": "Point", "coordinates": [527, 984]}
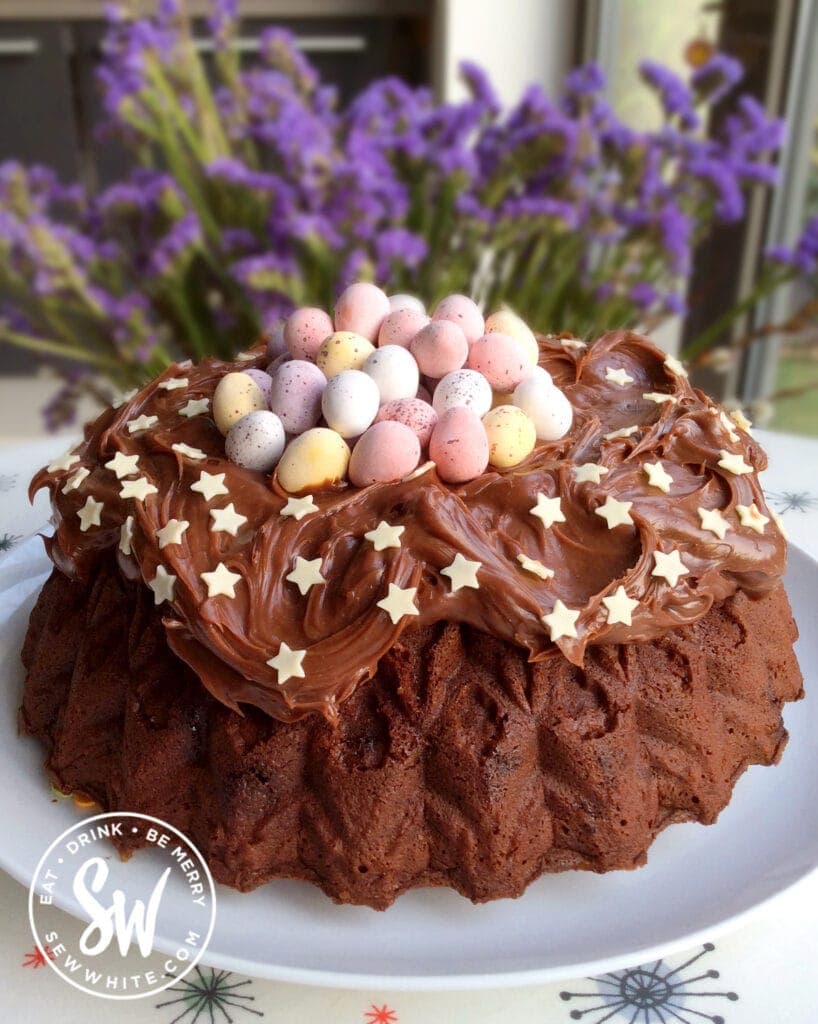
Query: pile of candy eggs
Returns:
{"type": "Point", "coordinates": [369, 392]}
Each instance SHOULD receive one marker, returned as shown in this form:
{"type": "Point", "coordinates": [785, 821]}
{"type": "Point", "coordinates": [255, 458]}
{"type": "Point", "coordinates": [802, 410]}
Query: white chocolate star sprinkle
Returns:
{"type": "Point", "coordinates": [74, 481]}
{"type": "Point", "coordinates": [195, 407]}
{"type": "Point", "coordinates": [299, 507]}
{"type": "Point", "coordinates": [548, 510]}
{"type": "Point", "coordinates": [210, 485]}
{"type": "Point", "coordinates": [589, 472]}
{"type": "Point", "coordinates": [536, 568]}
{"type": "Point", "coordinates": [733, 463]}
{"type": "Point", "coordinates": [669, 566]}
{"type": "Point", "coordinates": [462, 572]}
{"type": "Point", "coordinates": [659, 397]}
{"type": "Point", "coordinates": [749, 515]}
{"type": "Point", "coordinates": [123, 465]}
{"type": "Point", "coordinates": [779, 522]}
{"type": "Point", "coordinates": [172, 532]}
{"type": "Point", "coordinates": [741, 421]}
{"type": "Point", "coordinates": [420, 471]}
{"type": "Point", "coordinates": [620, 607]}
{"type": "Point", "coordinates": [221, 582]}
{"type": "Point", "coordinates": [288, 664]}
{"type": "Point", "coordinates": [126, 536]}
{"type": "Point", "coordinates": [226, 520]}
{"type": "Point", "coordinates": [65, 461]}
{"type": "Point", "coordinates": [185, 449]}
{"type": "Point", "coordinates": [385, 536]}
{"type": "Point", "coordinates": [139, 488]}
{"type": "Point", "coordinates": [246, 357]}
{"type": "Point", "coordinates": [574, 343]}
{"type": "Point", "coordinates": [728, 425]}
{"type": "Point", "coordinates": [399, 602]}
{"type": "Point", "coordinates": [306, 574]}
{"type": "Point", "coordinates": [615, 512]}
{"type": "Point", "coordinates": [622, 432]}
{"type": "Point", "coordinates": [173, 384]}
{"type": "Point", "coordinates": [561, 621]}
{"type": "Point", "coordinates": [658, 476]}
{"type": "Point", "coordinates": [620, 376]}
{"type": "Point", "coordinates": [714, 521]}
{"type": "Point", "coordinates": [142, 422]}
{"type": "Point", "coordinates": [163, 585]}
{"type": "Point", "coordinates": [674, 366]}
{"type": "Point", "coordinates": [127, 396]}
{"type": "Point", "coordinates": [90, 513]}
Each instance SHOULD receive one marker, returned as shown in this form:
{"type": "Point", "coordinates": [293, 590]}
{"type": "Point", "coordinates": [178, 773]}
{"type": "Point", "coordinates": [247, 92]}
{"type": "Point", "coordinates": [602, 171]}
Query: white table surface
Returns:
{"type": "Point", "coordinates": [763, 974]}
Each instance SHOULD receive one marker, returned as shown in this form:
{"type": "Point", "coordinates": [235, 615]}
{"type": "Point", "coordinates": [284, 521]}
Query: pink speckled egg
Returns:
{"type": "Point", "coordinates": [463, 387]}
{"type": "Point", "coordinates": [459, 446]}
{"type": "Point", "coordinates": [413, 413]}
{"type": "Point", "coordinates": [264, 380]}
{"type": "Point", "coordinates": [276, 343]}
{"type": "Point", "coordinates": [304, 331]}
{"type": "Point", "coordinates": [464, 312]}
{"type": "Point", "coordinates": [386, 451]}
{"type": "Point", "coordinates": [439, 348]}
{"type": "Point", "coordinates": [401, 326]}
{"type": "Point", "coordinates": [295, 395]}
{"type": "Point", "coordinates": [501, 359]}
{"type": "Point", "coordinates": [362, 308]}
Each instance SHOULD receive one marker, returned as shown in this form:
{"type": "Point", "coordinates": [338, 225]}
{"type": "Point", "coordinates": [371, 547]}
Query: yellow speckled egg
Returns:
{"type": "Point", "coordinates": [312, 460]}
{"type": "Point", "coordinates": [236, 395]}
{"type": "Point", "coordinates": [343, 350]}
{"type": "Point", "coordinates": [511, 435]}
{"type": "Point", "coordinates": [506, 322]}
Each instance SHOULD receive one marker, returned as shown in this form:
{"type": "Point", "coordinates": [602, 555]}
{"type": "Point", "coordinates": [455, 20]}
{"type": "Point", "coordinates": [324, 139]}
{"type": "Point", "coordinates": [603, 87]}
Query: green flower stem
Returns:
{"type": "Point", "coordinates": [61, 349]}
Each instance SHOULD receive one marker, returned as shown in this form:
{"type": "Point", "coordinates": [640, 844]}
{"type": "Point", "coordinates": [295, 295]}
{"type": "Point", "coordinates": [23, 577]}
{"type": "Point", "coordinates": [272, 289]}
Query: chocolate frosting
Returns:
{"type": "Point", "coordinates": [228, 642]}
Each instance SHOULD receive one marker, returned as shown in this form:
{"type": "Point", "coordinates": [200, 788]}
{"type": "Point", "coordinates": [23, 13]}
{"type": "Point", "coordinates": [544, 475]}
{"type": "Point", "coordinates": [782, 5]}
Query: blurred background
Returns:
{"type": "Point", "coordinates": [175, 177]}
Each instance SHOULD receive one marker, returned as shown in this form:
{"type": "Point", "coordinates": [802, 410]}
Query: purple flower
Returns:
{"type": "Point", "coordinates": [675, 304]}
{"type": "Point", "coordinates": [803, 256]}
{"type": "Point", "coordinates": [643, 294]}
{"type": "Point", "coordinates": [585, 80]}
{"type": "Point", "coordinates": [717, 76]}
{"type": "Point", "coordinates": [178, 245]}
{"type": "Point", "coordinates": [397, 247]}
{"type": "Point", "coordinates": [721, 180]}
{"type": "Point", "coordinates": [674, 94]}
{"type": "Point", "coordinates": [480, 86]}
{"type": "Point", "coordinates": [676, 230]}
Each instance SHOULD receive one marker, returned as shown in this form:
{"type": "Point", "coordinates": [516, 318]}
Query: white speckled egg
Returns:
{"type": "Point", "coordinates": [295, 396]}
{"type": "Point", "coordinates": [463, 387]}
{"type": "Point", "coordinates": [314, 459]}
{"type": "Point", "coordinates": [413, 413]}
{"type": "Point", "coordinates": [506, 322]}
{"type": "Point", "coordinates": [546, 406]}
{"type": "Point", "coordinates": [395, 372]}
{"type": "Point", "coordinates": [343, 350]}
{"type": "Point", "coordinates": [511, 435]}
{"type": "Point", "coordinates": [404, 301]}
{"type": "Point", "coordinates": [256, 441]}
{"type": "Point", "coordinates": [464, 312]}
{"type": "Point", "coordinates": [350, 402]}
{"type": "Point", "coordinates": [236, 394]}
{"type": "Point", "coordinates": [304, 331]}
{"type": "Point", "coordinates": [387, 451]}
{"type": "Point", "coordinates": [362, 308]}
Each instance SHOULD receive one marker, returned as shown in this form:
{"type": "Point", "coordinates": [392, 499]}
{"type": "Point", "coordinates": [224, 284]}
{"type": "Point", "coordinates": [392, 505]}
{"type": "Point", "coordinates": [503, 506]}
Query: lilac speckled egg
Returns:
{"type": "Point", "coordinates": [401, 326]}
{"type": "Point", "coordinates": [395, 372]}
{"type": "Point", "coordinates": [439, 348]}
{"type": "Point", "coordinates": [276, 343]}
{"type": "Point", "coordinates": [413, 413]}
{"type": "Point", "coordinates": [459, 446]}
{"type": "Point", "coordinates": [350, 402]}
{"type": "Point", "coordinates": [463, 387]}
{"type": "Point", "coordinates": [404, 301]}
{"type": "Point", "coordinates": [264, 381]}
{"type": "Point", "coordinates": [546, 406]}
{"type": "Point", "coordinates": [387, 451]}
{"type": "Point", "coordinates": [501, 359]}
{"type": "Point", "coordinates": [362, 308]}
{"type": "Point", "coordinates": [464, 312]}
{"type": "Point", "coordinates": [304, 331]}
{"type": "Point", "coordinates": [256, 441]}
{"type": "Point", "coordinates": [295, 396]}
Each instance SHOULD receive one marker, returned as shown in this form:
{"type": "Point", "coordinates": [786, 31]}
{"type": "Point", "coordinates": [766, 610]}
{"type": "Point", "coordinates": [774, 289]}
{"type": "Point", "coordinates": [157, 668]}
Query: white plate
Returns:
{"type": "Point", "coordinates": [699, 881]}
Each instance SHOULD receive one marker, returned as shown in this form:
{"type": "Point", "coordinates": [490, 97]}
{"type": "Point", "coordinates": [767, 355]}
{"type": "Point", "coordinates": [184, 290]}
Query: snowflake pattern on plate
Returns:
{"type": "Point", "coordinates": [380, 1015]}
{"type": "Point", "coordinates": [8, 481]}
{"type": "Point", "coordinates": [655, 993]}
{"type": "Point", "coordinates": [793, 501]}
{"type": "Point", "coordinates": [209, 997]}
{"type": "Point", "coordinates": [7, 541]}
{"type": "Point", "coordinates": [37, 958]}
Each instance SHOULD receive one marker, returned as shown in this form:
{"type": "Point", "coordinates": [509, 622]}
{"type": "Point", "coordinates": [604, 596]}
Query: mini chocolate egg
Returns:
{"type": "Point", "coordinates": [236, 394]}
{"type": "Point", "coordinates": [304, 331]}
{"type": "Point", "coordinates": [314, 459]}
{"type": "Point", "coordinates": [276, 345]}
{"type": "Point", "coordinates": [404, 301]}
{"type": "Point", "coordinates": [387, 451]}
{"type": "Point", "coordinates": [463, 387]}
{"type": "Point", "coordinates": [295, 396]}
{"type": "Point", "coordinates": [256, 441]}
{"type": "Point", "coordinates": [439, 348]}
{"type": "Point", "coordinates": [264, 380]}
{"type": "Point", "coordinates": [361, 308]}
{"type": "Point", "coordinates": [506, 322]}
{"type": "Point", "coordinates": [401, 326]}
{"type": "Point", "coordinates": [459, 446]}
{"type": "Point", "coordinates": [511, 435]}
{"type": "Point", "coordinates": [413, 413]}
{"type": "Point", "coordinates": [343, 350]}
{"type": "Point", "coordinates": [350, 402]}
{"type": "Point", "coordinates": [464, 312]}
{"type": "Point", "coordinates": [546, 406]}
{"type": "Point", "coordinates": [501, 359]}
{"type": "Point", "coordinates": [395, 372]}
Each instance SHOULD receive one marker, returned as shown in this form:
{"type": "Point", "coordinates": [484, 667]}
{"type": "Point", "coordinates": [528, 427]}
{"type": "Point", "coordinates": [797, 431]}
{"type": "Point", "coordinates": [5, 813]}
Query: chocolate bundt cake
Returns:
{"type": "Point", "coordinates": [416, 682]}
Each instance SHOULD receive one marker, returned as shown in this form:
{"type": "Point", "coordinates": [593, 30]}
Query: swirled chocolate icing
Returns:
{"type": "Point", "coordinates": [228, 641]}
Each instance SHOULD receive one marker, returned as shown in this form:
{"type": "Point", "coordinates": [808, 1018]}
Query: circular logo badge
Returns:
{"type": "Point", "coordinates": [124, 911]}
